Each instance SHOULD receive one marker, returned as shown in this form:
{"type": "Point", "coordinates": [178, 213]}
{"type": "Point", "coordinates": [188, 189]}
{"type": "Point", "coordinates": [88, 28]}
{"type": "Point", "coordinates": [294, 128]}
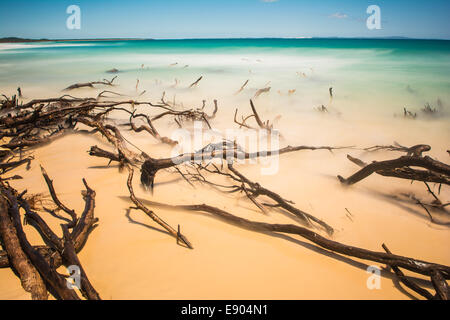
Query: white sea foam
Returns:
{"type": "Point", "coordinates": [20, 46]}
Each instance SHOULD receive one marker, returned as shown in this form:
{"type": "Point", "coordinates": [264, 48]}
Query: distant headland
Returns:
{"type": "Point", "coordinates": [16, 39]}
{"type": "Point", "coordinates": [23, 40]}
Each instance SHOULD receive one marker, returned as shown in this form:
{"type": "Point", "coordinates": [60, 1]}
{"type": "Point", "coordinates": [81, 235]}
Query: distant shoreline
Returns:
{"type": "Point", "coordinates": [21, 40]}
{"type": "Point", "coordinates": [24, 40]}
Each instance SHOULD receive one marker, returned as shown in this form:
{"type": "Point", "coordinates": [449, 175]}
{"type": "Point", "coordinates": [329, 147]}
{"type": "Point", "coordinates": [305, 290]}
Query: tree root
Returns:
{"type": "Point", "coordinates": [437, 171]}
{"type": "Point", "coordinates": [91, 84]}
{"type": "Point", "coordinates": [439, 272]}
{"type": "Point", "coordinates": [20, 255]}
{"type": "Point", "coordinates": [42, 120]}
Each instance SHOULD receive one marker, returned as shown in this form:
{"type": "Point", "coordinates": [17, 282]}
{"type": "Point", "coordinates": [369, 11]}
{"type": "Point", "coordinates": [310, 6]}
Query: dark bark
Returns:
{"type": "Point", "coordinates": [152, 215]}
{"type": "Point", "coordinates": [15, 257]}
{"type": "Point", "coordinates": [46, 259]}
{"type": "Point", "coordinates": [414, 265]}
{"type": "Point", "coordinates": [434, 166]}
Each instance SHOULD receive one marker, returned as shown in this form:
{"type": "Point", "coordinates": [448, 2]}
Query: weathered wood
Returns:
{"type": "Point", "coordinates": [441, 286]}
{"type": "Point", "coordinates": [195, 83]}
{"type": "Point", "coordinates": [56, 115]}
{"type": "Point", "coordinates": [16, 258]}
{"type": "Point", "coordinates": [54, 281]}
{"type": "Point", "coordinates": [418, 266]}
{"type": "Point", "coordinates": [242, 87]}
{"type": "Point", "coordinates": [90, 84]}
{"type": "Point", "coordinates": [426, 162]}
{"type": "Point", "coordinates": [60, 205]}
{"type": "Point", "coordinates": [46, 259]}
{"type": "Point", "coordinates": [407, 282]}
{"type": "Point", "coordinates": [70, 256]}
{"type": "Point", "coordinates": [406, 173]}
{"type": "Point", "coordinates": [152, 215]}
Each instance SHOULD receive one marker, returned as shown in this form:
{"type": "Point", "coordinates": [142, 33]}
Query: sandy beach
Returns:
{"type": "Point", "coordinates": [128, 256]}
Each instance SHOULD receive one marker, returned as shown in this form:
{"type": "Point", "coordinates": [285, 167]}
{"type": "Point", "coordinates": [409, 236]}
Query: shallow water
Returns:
{"type": "Point", "coordinates": [367, 75]}
{"type": "Point", "coordinates": [372, 80]}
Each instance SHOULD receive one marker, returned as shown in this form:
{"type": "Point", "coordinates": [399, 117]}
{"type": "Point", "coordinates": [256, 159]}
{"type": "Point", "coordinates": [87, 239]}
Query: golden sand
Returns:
{"type": "Point", "coordinates": [137, 260]}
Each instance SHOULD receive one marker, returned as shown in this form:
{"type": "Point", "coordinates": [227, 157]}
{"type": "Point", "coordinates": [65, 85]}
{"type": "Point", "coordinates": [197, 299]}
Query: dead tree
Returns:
{"type": "Point", "coordinates": [437, 273]}
{"type": "Point", "coordinates": [265, 125]}
{"type": "Point", "coordinates": [261, 91]}
{"type": "Point", "coordinates": [36, 266]}
{"type": "Point", "coordinates": [428, 110]}
{"type": "Point", "coordinates": [408, 114]}
{"type": "Point", "coordinates": [91, 84]}
{"type": "Point", "coordinates": [150, 128]}
{"type": "Point", "coordinates": [195, 83]}
{"type": "Point", "coordinates": [29, 125]}
{"type": "Point", "coordinates": [242, 87]}
{"type": "Point", "coordinates": [416, 150]}
{"type": "Point", "coordinates": [322, 109]}
{"type": "Point", "coordinates": [253, 191]}
{"type": "Point", "coordinates": [152, 215]}
{"type": "Point", "coordinates": [435, 171]}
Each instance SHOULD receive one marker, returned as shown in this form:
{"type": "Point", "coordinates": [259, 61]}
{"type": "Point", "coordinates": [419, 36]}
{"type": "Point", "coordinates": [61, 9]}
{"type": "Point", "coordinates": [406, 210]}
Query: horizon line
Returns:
{"type": "Point", "coordinates": [17, 39]}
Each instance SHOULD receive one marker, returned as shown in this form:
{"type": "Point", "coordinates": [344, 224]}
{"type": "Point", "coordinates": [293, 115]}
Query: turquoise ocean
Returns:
{"type": "Point", "coordinates": [386, 74]}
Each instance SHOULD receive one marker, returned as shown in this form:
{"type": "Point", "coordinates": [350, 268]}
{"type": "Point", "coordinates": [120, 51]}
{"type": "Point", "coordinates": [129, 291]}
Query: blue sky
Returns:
{"type": "Point", "coordinates": [224, 18]}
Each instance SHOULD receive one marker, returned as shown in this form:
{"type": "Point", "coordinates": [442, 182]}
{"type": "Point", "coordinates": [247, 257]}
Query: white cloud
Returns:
{"type": "Point", "coordinates": [339, 15]}
{"type": "Point", "coordinates": [268, 1]}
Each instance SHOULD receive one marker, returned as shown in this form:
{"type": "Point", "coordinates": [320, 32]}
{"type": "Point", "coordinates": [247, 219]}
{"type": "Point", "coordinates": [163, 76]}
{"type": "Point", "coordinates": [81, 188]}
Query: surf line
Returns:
{"type": "Point", "coordinates": [193, 310]}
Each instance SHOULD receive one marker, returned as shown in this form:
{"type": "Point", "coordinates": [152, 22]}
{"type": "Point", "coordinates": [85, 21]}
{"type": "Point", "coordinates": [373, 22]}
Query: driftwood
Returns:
{"type": "Point", "coordinates": [242, 87]}
{"type": "Point", "coordinates": [29, 276]}
{"type": "Point", "coordinates": [195, 83]}
{"type": "Point", "coordinates": [152, 215]}
{"type": "Point", "coordinates": [113, 70]}
{"type": "Point", "coordinates": [91, 84]}
{"type": "Point", "coordinates": [322, 109]}
{"type": "Point", "coordinates": [265, 125]}
{"type": "Point", "coordinates": [261, 91]}
{"type": "Point", "coordinates": [436, 171]}
{"type": "Point", "coordinates": [435, 271]}
{"type": "Point", "coordinates": [150, 128]}
{"type": "Point", "coordinates": [253, 191]}
{"type": "Point", "coordinates": [36, 265]}
{"type": "Point", "coordinates": [32, 124]}
{"type": "Point", "coordinates": [8, 103]}
{"type": "Point", "coordinates": [416, 150]}
{"type": "Point", "coordinates": [194, 114]}
{"type": "Point", "coordinates": [428, 110]}
{"type": "Point", "coordinates": [151, 166]}
{"type": "Point", "coordinates": [406, 281]}
{"type": "Point", "coordinates": [7, 166]}
{"type": "Point", "coordinates": [408, 114]}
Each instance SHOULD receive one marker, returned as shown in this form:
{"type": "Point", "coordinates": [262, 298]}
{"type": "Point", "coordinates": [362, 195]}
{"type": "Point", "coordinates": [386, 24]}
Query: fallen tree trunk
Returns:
{"type": "Point", "coordinates": [91, 84]}
{"type": "Point", "coordinates": [414, 265]}
{"type": "Point", "coordinates": [55, 282]}
{"type": "Point", "coordinates": [152, 215]}
{"type": "Point", "coordinates": [57, 252]}
{"type": "Point", "coordinates": [435, 167]}
{"type": "Point", "coordinates": [30, 278]}
{"type": "Point", "coordinates": [51, 116]}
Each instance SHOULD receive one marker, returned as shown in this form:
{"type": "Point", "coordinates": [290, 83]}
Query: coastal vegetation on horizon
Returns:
{"type": "Point", "coordinates": [24, 40]}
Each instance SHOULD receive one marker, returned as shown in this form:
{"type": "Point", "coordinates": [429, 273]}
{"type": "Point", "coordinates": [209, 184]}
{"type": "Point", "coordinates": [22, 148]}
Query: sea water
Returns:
{"type": "Point", "coordinates": [370, 78]}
